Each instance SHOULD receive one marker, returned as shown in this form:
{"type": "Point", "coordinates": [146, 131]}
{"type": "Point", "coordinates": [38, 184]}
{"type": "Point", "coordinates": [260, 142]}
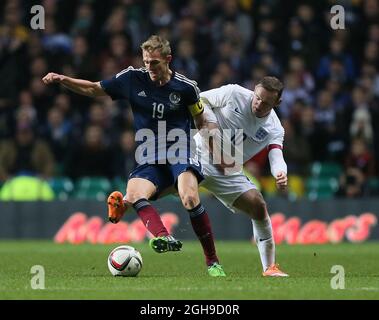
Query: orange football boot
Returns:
{"type": "Point", "coordinates": [274, 271]}
{"type": "Point", "coordinates": [116, 206]}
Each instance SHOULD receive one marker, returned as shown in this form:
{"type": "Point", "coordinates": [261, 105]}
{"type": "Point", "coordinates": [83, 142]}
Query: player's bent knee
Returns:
{"type": "Point", "coordinates": [132, 197]}
{"type": "Point", "coordinates": [257, 208]}
{"type": "Point", "coordinates": [259, 200]}
{"type": "Point", "coordinates": [189, 200]}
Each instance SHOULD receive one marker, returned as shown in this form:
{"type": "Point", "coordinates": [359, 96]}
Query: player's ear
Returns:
{"type": "Point", "coordinates": [169, 58]}
{"type": "Point", "coordinates": [279, 102]}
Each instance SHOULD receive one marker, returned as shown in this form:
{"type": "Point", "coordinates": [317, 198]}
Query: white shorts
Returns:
{"type": "Point", "coordinates": [226, 188]}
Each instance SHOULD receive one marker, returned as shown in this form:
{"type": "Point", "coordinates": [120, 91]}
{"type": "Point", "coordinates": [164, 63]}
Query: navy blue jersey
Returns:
{"type": "Point", "coordinates": [158, 108]}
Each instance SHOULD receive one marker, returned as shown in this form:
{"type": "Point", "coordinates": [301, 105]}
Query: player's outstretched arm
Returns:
{"type": "Point", "coordinates": [278, 168]}
{"type": "Point", "coordinates": [83, 87]}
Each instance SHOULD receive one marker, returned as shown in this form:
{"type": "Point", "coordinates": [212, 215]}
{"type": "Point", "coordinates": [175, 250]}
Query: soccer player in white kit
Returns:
{"type": "Point", "coordinates": [234, 107]}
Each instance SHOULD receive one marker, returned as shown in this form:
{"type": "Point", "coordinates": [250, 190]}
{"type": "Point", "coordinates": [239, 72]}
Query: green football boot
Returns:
{"type": "Point", "coordinates": [165, 243]}
{"type": "Point", "coordinates": [216, 270]}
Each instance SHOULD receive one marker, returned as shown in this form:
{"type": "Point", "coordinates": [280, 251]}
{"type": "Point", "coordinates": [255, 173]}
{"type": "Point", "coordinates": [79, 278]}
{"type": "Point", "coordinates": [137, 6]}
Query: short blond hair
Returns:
{"type": "Point", "coordinates": [157, 43]}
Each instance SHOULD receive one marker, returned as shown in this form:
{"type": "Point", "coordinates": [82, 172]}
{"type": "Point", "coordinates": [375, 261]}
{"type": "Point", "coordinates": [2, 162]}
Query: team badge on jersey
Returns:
{"type": "Point", "coordinates": [174, 97]}
{"type": "Point", "coordinates": [260, 135]}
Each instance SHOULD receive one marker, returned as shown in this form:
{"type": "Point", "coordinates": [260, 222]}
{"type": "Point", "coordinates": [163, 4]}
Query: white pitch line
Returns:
{"type": "Point", "coordinates": [363, 289]}
{"type": "Point", "coordinates": [123, 289]}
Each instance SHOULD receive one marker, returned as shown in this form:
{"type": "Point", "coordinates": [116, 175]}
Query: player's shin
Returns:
{"type": "Point", "coordinates": [265, 241]}
{"type": "Point", "coordinates": [202, 227]}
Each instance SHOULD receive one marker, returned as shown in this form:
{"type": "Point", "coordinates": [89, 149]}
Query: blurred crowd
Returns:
{"type": "Point", "coordinates": [330, 107]}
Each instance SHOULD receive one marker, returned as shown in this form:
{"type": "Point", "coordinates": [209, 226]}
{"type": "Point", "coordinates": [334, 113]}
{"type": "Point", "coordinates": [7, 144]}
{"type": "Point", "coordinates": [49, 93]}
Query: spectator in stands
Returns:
{"type": "Point", "coordinates": [26, 116]}
{"type": "Point", "coordinates": [25, 155]}
{"type": "Point", "coordinates": [339, 94]}
{"type": "Point", "coordinates": [187, 29]}
{"type": "Point", "coordinates": [298, 44]}
{"type": "Point", "coordinates": [327, 121]}
{"type": "Point", "coordinates": [198, 10]}
{"type": "Point", "coordinates": [161, 15]}
{"type": "Point", "coordinates": [306, 14]}
{"type": "Point", "coordinates": [297, 162]}
{"type": "Point", "coordinates": [109, 68]}
{"type": "Point", "coordinates": [230, 54]}
{"type": "Point", "coordinates": [361, 157]}
{"type": "Point", "coordinates": [118, 22]}
{"type": "Point", "coordinates": [231, 12]}
{"type": "Point", "coordinates": [34, 47]}
{"type": "Point", "coordinates": [361, 125]}
{"type": "Point", "coordinates": [38, 67]}
{"type": "Point", "coordinates": [58, 133]}
{"type": "Point", "coordinates": [83, 21]}
{"type": "Point", "coordinates": [119, 50]}
{"type": "Point", "coordinates": [185, 62]}
{"type": "Point", "coordinates": [293, 91]}
{"type": "Point", "coordinates": [325, 111]}
{"type": "Point", "coordinates": [267, 28]}
{"type": "Point", "coordinates": [42, 97]}
{"type": "Point", "coordinates": [125, 158]}
{"type": "Point", "coordinates": [13, 37]}
{"type": "Point", "coordinates": [53, 40]}
{"type": "Point", "coordinates": [358, 115]}
{"type": "Point", "coordinates": [359, 167]}
{"type": "Point", "coordinates": [314, 135]}
{"type": "Point", "coordinates": [351, 183]}
{"type": "Point", "coordinates": [232, 42]}
{"type": "Point", "coordinates": [262, 46]}
{"type": "Point", "coordinates": [223, 75]}
{"type": "Point", "coordinates": [100, 116]}
{"type": "Point", "coordinates": [268, 61]}
{"type": "Point", "coordinates": [26, 106]}
{"type": "Point", "coordinates": [370, 11]}
{"type": "Point", "coordinates": [257, 72]}
{"type": "Point", "coordinates": [297, 66]}
{"type": "Point", "coordinates": [90, 157]}
{"type": "Point", "coordinates": [81, 59]}
{"type": "Point", "coordinates": [337, 63]}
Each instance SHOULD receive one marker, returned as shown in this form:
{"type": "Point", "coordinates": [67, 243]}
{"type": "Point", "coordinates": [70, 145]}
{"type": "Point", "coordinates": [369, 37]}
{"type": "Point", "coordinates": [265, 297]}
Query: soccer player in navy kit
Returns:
{"type": "Point", "coordinates": [160, 98]}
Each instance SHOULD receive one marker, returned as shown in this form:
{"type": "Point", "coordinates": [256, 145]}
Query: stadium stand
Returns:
{"type": "Point", "coordinates": [331, 95]}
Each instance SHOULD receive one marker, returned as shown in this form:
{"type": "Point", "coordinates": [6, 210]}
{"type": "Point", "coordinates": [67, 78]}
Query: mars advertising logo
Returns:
{"type": "Point", "coordinates": [79, 228]}
{"type": "Point", "coordinates": [352, 228]}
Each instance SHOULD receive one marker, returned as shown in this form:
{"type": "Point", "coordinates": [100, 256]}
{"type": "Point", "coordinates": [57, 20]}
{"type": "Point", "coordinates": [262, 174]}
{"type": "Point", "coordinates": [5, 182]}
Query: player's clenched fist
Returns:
{"type": "Point", "coordinates": [281, 180]}
{"type": "Point", "coordinates": [52, 77]}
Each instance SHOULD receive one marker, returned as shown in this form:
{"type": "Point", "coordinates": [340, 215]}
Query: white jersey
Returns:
{"type": "Point", "coordinates": [231, 106]}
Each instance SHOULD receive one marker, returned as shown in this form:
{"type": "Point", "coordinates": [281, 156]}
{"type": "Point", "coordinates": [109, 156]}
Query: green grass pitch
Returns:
{"type": "Point", "coordinates": [81, 272]}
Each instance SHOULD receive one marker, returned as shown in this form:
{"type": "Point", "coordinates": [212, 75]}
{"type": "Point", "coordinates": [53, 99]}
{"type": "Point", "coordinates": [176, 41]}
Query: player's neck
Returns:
{"type": "Point", "coordinates": [166, 78]}
{"type": "Point", "coordinates": [263, 116]}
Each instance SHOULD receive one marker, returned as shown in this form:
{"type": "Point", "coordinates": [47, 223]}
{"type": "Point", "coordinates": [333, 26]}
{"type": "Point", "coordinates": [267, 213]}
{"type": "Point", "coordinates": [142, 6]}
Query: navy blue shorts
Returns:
{"type": "Point", "coordinates": [164, 176]}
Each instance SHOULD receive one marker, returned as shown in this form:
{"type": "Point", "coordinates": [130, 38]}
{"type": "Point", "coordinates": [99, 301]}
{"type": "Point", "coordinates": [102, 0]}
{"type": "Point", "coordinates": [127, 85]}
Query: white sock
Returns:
{"type": "Point", "coordinates": [265, 241]}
